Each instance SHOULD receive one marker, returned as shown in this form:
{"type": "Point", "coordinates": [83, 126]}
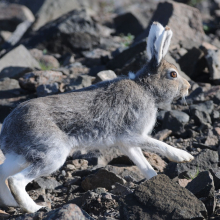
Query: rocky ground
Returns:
{"type": "Point", "coordinates": [55, 46]}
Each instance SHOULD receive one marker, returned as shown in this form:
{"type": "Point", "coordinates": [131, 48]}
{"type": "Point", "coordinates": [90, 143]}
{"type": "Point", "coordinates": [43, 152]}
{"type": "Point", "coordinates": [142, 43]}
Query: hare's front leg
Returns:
{"type": "Point", "coordinates": [136, 155]}
{"type": "Point", "coordinates": [151, 144]}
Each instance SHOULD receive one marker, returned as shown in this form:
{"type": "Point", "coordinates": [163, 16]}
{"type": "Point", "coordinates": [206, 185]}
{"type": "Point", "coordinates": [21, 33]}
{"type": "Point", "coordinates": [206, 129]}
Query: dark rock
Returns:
{"type": "Point", "coordinates": [48, 89]}
{"type": "Point", "coordinates": [121, 160]}
{"type": "Point", "coordinates": [17, 62]}
{"type": "Point", "coordinates": [185, 21]}
{"type": "Point", "coordinates": [124, 171]}
{"type": "Point", "coordinates": [134, 17]}
{"type": "Point", "coordinates": [205, 160]}
{"type": "Point", "coordinates": [121, 190]}
{"type": "Point", "coordinates": [207, 106]}
{"type": "Point", "coordinates": [102, 178]}
{"type": "Point", "coordinates": [30, 81]}
{"type": "Point", "coordinates": [212, 139]}
{"type": "Point", "coordinates": [216, 177]}
{"type": "Point", "coordinates": [45, 183]}
{"type": "Point", "coordinates": [200, 117]}
{"type": "Point", "coordinates": [195, 95]}
{"type": "Point", "coordinates": [203, 188]}
{"type": "Point", "coordinates": [126, 56]}
{"type": "Point", "coordinates": [213, 61]}
{"type": "Point", "coordinates": [161, 198]}
{"type": "Point", "coordinates": [72, 32]}
{"type": "Point", "coordinates": [69, 211]}
{"type": "Point", "coordinates": [12, 14]}
{"type": "Point", "coordinates": [216, 98]}
{"type": "Point", "coordinates": [175, 121]}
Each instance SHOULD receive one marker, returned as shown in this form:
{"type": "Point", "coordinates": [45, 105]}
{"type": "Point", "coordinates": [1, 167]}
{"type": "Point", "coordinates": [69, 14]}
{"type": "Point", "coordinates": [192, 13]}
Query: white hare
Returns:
{"type": "Point", "coordinates": [38, 135]}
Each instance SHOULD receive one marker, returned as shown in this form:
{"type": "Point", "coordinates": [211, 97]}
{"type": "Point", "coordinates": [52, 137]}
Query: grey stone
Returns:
{"type": "Point", "coordinates": [17, 62]}
{"type": "Point", "coordinates": [200, 117]}
{"type": "Point", "coordinates": [121, 190]}
{"type": "Point", "coordinates": [48, 89]}
{"type": "Point", "coordinates": [203, 188]}
{"type": "Point", "coordinates": [185, 21]}
{"type": "Point", "coordinates": [69, 211]}
{"type": "Point", "coordinates": [206, 106]}
{"type": "Point", "coordinates": [72, 32]}
{"type": "Point", "coordinates": [45, 183]}
{"type": "Point", "coordinates": [160, 198]}
{"type": "Point", "coordinates": [203, 161]}
{"type": "Point", "coordinates": [13, 14]}
{"type": "Point", "coordinates": [105, 75]}
{"type": "Point", "coordinates": [102, 178]}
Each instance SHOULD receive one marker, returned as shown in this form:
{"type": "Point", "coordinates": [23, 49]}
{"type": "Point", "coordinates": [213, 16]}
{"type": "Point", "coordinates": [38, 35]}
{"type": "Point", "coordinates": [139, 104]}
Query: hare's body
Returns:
{"type": "Point", "coordinates": [39, 134]}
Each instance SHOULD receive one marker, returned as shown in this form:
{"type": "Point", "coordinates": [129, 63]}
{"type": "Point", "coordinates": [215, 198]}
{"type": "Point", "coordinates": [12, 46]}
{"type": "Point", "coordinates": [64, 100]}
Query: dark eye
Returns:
{"type": "Point", "coordinates": [173, 74]}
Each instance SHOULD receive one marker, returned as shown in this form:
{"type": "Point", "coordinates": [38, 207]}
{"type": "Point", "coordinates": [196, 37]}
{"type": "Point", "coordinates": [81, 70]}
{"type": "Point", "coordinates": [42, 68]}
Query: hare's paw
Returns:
{"type": "Point", "coordinates": [179, 156]}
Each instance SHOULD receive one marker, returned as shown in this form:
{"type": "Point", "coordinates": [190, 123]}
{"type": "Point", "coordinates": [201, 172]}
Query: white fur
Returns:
{"type": "Point", "coordinates": [158, 41]}
{"type": "Point", "coordinates": [12, 165]}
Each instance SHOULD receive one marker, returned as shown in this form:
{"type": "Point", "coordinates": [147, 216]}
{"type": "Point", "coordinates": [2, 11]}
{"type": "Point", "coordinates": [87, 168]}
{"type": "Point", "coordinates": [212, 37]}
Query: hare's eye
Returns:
{"type": "Point", "coordinates": [173, 74]}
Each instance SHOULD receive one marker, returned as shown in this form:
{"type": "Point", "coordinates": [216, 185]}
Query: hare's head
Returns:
{"type": "Point", "coordinates": [160, 76]}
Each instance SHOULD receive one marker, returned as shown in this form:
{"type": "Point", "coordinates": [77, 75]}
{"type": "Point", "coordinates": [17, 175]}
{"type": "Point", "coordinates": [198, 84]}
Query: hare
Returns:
{"type": "Point", "coordinates": [39, 134]}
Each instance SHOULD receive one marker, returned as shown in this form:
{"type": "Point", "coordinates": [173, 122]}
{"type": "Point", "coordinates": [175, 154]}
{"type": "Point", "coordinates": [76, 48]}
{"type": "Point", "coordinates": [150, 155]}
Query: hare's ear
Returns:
{"type": "Point", "coordinates": [158, 47]}
{"type": "Point", "coordinates": [155, 31]}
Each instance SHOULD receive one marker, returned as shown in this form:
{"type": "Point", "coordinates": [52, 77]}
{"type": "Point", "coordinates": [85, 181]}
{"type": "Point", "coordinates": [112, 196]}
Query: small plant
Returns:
{"type": "Point", "coordinates": [45, 51]}
{"type": "Point", "coordinates": [194, 2]}
{"type": "Point", "coordinates": [127, 40]}
{"type": "Point", "coordinates": [43, 66]}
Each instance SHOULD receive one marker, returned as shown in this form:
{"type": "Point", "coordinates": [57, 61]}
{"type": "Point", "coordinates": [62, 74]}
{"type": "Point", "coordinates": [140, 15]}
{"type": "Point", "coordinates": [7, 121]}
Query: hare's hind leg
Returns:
{"type": "Point", "coordinates": [46, 166]}
{"type": "Point", "coordinates": [13, 164]}
{"type": "Point", "coordinates": [136, 155]}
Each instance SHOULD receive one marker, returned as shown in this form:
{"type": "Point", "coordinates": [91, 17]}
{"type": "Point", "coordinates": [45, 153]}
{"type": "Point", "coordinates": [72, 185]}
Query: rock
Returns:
{"type": "Point", "coordinates": [45, 183]}
{"type": "Point", "coordinates": [195, 95]}
{"type": "Point", "coordinates": [4, 215]}
{"type": "Point", "coordinates": [121, 190]}
{"type": "Point", "coordinates": [30, 81]}
{"type": "Point", "coordinates": [184, 182]}
{"type": "Point", "coordinates": [12, 14]}
{"type": "Point", "coordinates": [122, 159]}
{"type": "Point", "coordinates": [213, 61]}
{"type": "Point", "coordinates": [212, 139]}
{"type": "Point", "coordinates": [175, 121]}
{"type": "Point", "coordinates": [136, 20]}
{"type": "Point", "coordinates": [45, 60]}
{"type": "Point", "coordinates": [203, 188]}
{"type": "Point", "coordinates": [105, 75]}
{"type": "Point", "coordinates": [192, 63]}
{"type": "Point", "coordinates": [69, 211]}
{"type": "Point", "coordinates": [48, 89]}
{"type": "Point", "coordinates": [155, 161]}
{"type": "Point", "coordinates": [216, 177]}
{"type": "Point", "coordinates": [53, 9]}
{"type": "Point", "coordinates": [163, 134]}
{"type": "Point", "coordinates": [98, 157]}
{"type": "Point", "coordinates": [79, 164]}
{"type": "Point", "coordinates": [102, 178]}
{"type": "Point", "coordinates": [185, 21]}
{"type": "Point", "coordinates": [17, 62]}
{"type": "Point", "coordinates": [200, 117]}
{"type": "Point", "coordinates": [161, 198]}
{"type": "Point", "coordinates": [205, 160]}
{"type": "Point", "coordinates": [207, 106]}
{"type": "Point", "coordinates": [76, 180]}
{"type": "Point", "coordinates": [72, 32]}
{"type": "Point", "coordinates": [126, 56]}
{"type": "Point", "coordinates": [125, 171]}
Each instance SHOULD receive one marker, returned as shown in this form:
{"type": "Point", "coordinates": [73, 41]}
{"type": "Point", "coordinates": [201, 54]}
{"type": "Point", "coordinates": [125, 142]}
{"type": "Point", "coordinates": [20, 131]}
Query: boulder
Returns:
{"type": "Point", "coordinates": [30, 81]}
{"type": "Point", "coordinates": [203, 188]}
{"type": "Point", "coordinates": [45, 183]}
{"type": "Point", "coordinates": [105, 75]}
{"type": "Point", "coordinates": [102, 178]}
{"type": "Point", "coordinates": [205, 160]}
{"type": "Point", "coordinates": [160, 198]}
{"type": "Point", "coordinates": [175, 120]}
{"type": "Point", "coordinates": [13, 14]}
{"type": "Point", "coordinates": [184, 20]}
{"type": "Point", "coordinates": [69, 211]}
{"type": "Point", "coordinates": [48, 89]}
{"type": "Point", "coordinates": [72, 32]}
{"type": "Point", "coordinates": [17, 62]}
